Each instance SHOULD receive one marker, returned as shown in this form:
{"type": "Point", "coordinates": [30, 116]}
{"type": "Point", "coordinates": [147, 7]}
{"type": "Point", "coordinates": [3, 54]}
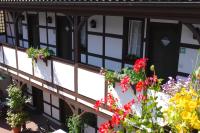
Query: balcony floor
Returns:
{"type": "Point", "coordinates": [31, 125]}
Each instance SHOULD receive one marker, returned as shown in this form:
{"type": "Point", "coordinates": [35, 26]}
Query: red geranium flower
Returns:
{"type": "Point", "coordinates": [125, 83]}
{"type": "Point", "coordinates": [97, 104]}
{"type": "Point", "coordinates": [140, 86]}
{"type": "Point", "coordinates": [115, 119]}
{"type": "Point", "coordinates": [140, 64]}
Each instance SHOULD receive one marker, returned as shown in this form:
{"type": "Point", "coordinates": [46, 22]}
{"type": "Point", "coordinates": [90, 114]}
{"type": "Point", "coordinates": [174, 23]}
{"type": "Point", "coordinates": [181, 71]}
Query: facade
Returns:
{"type": "Point", "coordinates": [86, 36]}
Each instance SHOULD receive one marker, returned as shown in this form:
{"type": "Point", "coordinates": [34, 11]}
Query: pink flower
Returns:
{"type": "Point", "coordinates": [125, 83]}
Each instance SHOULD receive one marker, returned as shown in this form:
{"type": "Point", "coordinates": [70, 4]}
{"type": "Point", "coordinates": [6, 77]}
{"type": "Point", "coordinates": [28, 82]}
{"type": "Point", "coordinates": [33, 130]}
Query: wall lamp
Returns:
{"type": "Point", "coordinates": [93, 23]}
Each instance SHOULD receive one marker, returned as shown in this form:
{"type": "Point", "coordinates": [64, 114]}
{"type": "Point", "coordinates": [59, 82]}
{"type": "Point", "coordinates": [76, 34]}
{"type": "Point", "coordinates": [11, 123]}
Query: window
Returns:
{"type": "Point", "coordinates": [2, 26]}
{"type": "Point", "coordinates": [83, 42]}
{"type": "Point", "coordinates": [134, 39]}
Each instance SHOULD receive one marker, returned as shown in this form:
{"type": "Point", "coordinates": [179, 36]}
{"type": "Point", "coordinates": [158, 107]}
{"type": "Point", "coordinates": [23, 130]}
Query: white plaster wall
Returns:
{"type": "Point", "coordinates": [25, 44]}
{"type": "Point", "coordinates": [52, 36]}
{"type": "Point", "coordinates": [46, 97]}
{"type": "Point", "coordinates": [42, 18]}
{"type": "Point", "coordinates": [52, 15]}
{"type": "Point", "coordinates": [83, 58]}
{"type": "Point", "coordinates": [114, 25]}
{"type": "Point", "coordinates": [25, 32]}
{"type": "Point", "coordinates": [125, 97]}
{"type": "Point", "coordinates": [100, 120]}
{"type": "Point", "coordinates": [24, 63]}
{"type": "Point", "coordinates": [1, 54]}
{"type": "Point", "coordinates": [56, 113]}
{"type": "Point", "coordinates": [188, 60]}
{"type": "Point", "coordinates": [113, 65]}
{"type": "Point", "coordinates": [8, 17]}
{"type": "Point", "coordinates": [113, 47]}
{"type": "Point", "coordinates": [63, 75]}
{"type": "Point", "coordinates": [10, 29]}
{"type": "Point", "coordinates": [95, 44]}
{"type": "Point", "coordinates": [89, 129]}
{"type": "Point", "coordinates": [91, 84]}
{"type": "Point", "coordinates": [10, 56]}
{"type": "Point", "coordinates": [55, 100]}
{"type": "Point", "coordinates": [95, 61]}
{"type": "Point", "coordinates": [43, 35]}
{"type": "Point", "coordinates": [187, 35]}
{"type": "Point", "coordinates": [2, 38]}
{"type": "Point", "coordinates": [47, 109]}
{"type": "Point", "coordinates": [43, 71]}
{"type": "Point", "coordinates": [99, 23]}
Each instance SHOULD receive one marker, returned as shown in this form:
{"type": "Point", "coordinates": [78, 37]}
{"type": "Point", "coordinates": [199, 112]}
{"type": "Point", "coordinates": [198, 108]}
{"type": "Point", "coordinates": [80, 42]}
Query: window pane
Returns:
{"type": "Point", "coordinates": [134, 37]}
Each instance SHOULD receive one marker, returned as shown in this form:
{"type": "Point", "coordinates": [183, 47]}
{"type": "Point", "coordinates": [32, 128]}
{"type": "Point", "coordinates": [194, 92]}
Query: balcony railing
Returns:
{"type": "Point", "coordinates": [56, 76]}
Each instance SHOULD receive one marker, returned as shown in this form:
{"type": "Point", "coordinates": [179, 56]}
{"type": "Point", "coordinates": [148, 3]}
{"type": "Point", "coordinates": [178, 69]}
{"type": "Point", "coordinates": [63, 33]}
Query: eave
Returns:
{"type": "Point", "coordinates": [168, 10]}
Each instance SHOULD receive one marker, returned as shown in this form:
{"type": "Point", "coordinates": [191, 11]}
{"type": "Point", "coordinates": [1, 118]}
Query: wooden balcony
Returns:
{"type": "Point", "coordinates": [57, 77]}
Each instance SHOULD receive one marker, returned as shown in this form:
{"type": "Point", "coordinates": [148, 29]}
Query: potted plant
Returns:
{"type": "Point", "coordinates": [15, 115]}
{"type": "Point", "coordinates": [74, 124]}
{"type": "Point", "coordinates": [42, 54]}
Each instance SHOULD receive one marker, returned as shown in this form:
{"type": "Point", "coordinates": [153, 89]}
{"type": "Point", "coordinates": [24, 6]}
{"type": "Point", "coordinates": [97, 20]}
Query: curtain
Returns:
{"type": "Point", "coordinates": [134, 37]}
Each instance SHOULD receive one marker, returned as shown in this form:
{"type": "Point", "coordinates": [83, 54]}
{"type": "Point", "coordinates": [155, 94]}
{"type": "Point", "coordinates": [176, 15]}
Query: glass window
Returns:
{"type": "Point", "coordinates": [134, 38]}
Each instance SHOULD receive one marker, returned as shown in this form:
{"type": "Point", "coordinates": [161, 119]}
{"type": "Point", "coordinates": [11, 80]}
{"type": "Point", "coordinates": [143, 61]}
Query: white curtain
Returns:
{"type": "Point", "coordinates": [134, 37]}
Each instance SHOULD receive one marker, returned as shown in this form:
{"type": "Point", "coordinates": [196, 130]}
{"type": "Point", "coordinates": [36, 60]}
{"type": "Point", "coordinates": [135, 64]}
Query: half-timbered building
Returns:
{"type": "Point", "coordinates": [86, 35]}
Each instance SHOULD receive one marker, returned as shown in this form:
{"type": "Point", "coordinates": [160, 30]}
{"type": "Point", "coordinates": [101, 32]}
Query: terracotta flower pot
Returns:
{"type": "Point", "coordinates": [16, 130]}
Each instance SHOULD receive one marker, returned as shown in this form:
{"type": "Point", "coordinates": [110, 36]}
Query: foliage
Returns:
{"type": "Point", "coordinates": [74, 124]}
{"type": "Point", "coordinates": [16, 102]}
{"type": "Point", "coordinates": [125, 116]}
{"type": "Point", "coordinates": [42, 53]}
{"type": "Point", "coordinates": [16, 119]}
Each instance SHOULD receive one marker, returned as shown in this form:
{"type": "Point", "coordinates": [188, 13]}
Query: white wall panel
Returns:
{"type": "Point", "coordinates": [25, 44]}
{"type": "Point", "coordinates": [95, 61]}
{"type": "Point", "coordinates": [11, 41]}
{"type": "Point", "coordinates": [91, 84]}
{"type": "Point", "coordinates": [113, 47]}
{"type": "Point", "coordinates": [24, 63]}
{"type": "Point", "coordinates": [89, 129]}
{"type": "Point", "coordinates": [187, 60]}
{"type": "Point", "coordinates": [10, 29]}
{"type": "Point", "coordinates": [10, 56]}
{"type": "Point", "coordinates": [46, 97]}
{"type": "Point", "coordinates": [55, 100]}
{"type": "Point", "coordinates": [187, 35]}
{"type": "Point", "coordinates": [114, 25]}
{"type": "Point", "coordinates": [25, 32]}
{"type": "Point", "coordinates": [43, 35]}
{"type": "Point", "coordinates": [63, 75]}
{"type": "Point", "coordinates": [83, 58]}
{"type": "Point", "coordinates": [55, 113]}
{"type": "Point", "coordinates": [95, 44]}
{"type": "Point", "coordinates": [52, 15]}
{"type": "Point", "coordinates": [2, 38]}
{"type": "Point", "coordinates": [113, 65]}
{"type": "Point", "coordinates": [1, 54]}
{"type": "Point", "coordinates": [52, 36]}
{"type": "Point", "coordinates": [125, 97]}
{"type": "Point", "coordinates": [43, 71]}
{"type": "Point", "coordinates": [42, 18]}
{"type": "Point", "coordinates": [47, 109]}
{"type": "Point", "coordinates": [99, 23]}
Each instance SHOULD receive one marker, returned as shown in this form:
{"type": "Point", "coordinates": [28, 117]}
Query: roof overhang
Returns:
{"type": "Point", "coordinates": [173, 10]}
